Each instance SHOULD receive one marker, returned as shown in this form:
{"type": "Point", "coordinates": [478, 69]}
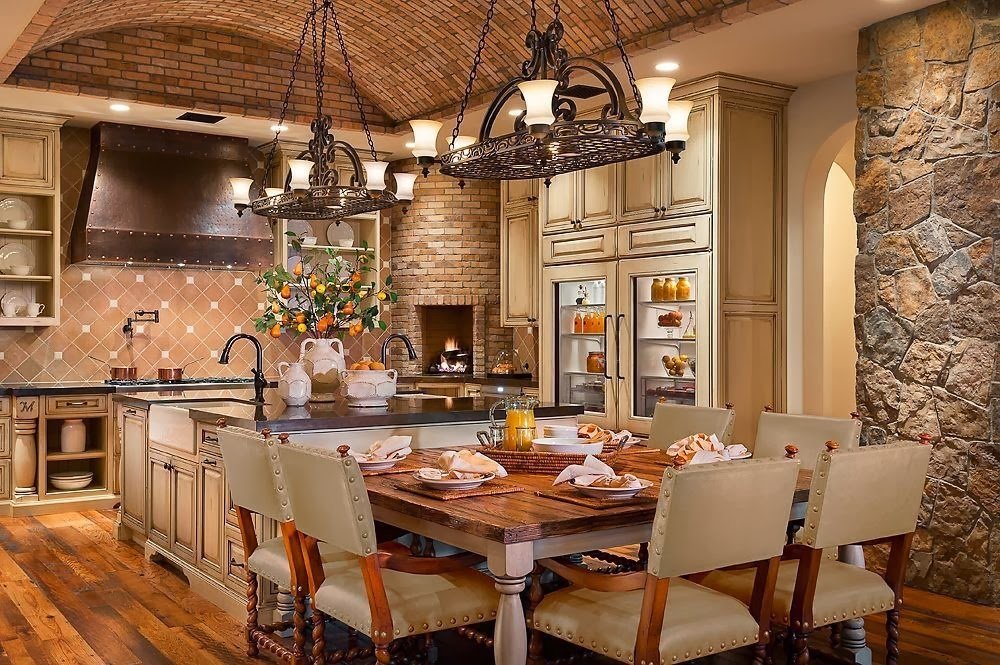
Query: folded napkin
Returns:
{"type": "Point", "coordinates": [704, 448]}
{"type": "Point", "coordinates": [594, 472]}
{"type": "Point", "coordinates": [393, 447]}
{"type": "Point", "coordinates": [469, 463]}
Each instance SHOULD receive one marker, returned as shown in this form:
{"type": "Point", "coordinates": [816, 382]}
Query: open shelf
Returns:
{"type": "Point", "coordinates": [346, 250]}
{"type": "Point", "coordinates": [668, 340]}
{"type": "Point", "coordinates": [86, 454]}
{"type": "Point", "coordinates": [585, 335]}
{"type": "Point", "coordinates": [25, 278]}
{"type": "Point", "coordinates": [27, 321]}
{"type": "Point", "coordinates": [25, 233]}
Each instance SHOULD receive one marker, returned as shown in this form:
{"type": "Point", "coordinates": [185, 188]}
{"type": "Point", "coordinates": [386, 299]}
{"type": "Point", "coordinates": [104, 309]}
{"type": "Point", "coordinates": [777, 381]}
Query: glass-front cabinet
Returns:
{"type": "Point", "coordinates": [663, 330]}
{"type": "Point", "coordinates": [578, 333]}
{"type": "Point", "coordinates": [621, 336]}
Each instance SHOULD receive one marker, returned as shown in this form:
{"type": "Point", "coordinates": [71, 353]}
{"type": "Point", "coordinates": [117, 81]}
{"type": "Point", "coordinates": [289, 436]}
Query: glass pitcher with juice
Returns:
{"type": "Point", "coordinates": [520, 422]}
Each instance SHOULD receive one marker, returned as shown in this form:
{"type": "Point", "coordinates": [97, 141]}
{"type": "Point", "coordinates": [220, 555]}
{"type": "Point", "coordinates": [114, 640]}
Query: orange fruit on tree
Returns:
{"type": "Point", "coordinates": [313, 282]}
{"type": "Point", "coordinates": [300, 317]}
{"type": "Point", "coordinates": [356, 277]}
{"type": "Point", "coordinates": [275, 307]}
{"type": "Point", "coordinates": [297, 270]}
{"type": "Point", "coordinates": [322, 325]}
{"type": "Point", "coordinates": [285, 319]}
{"type": "Point", "coordinates": [276, 330]}
{"type": "Point", "coordinates": [286, 291]}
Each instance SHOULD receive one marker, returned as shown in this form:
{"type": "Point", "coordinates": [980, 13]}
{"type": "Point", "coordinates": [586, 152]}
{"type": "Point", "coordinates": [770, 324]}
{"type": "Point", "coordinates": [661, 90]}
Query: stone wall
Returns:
{"type": "Point", "coordinates": [928, 302]}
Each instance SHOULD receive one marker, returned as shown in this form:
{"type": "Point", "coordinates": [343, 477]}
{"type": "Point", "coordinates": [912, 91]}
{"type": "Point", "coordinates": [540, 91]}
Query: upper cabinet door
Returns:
{"type": "Point", "coordinates": [519, 266]}
{"type": "Point", "coordinates": [519, 192]}
{"type": "Point", "coordinates": [639, 188]}
{"type": "Point", "coordinates": [687, 185]}
{"type": "Point", "coordinates": [559, 203]}
{"type": "Point", "coordinates": [597, 196]}
{"type": "Point", "coordinates": [25, 158]}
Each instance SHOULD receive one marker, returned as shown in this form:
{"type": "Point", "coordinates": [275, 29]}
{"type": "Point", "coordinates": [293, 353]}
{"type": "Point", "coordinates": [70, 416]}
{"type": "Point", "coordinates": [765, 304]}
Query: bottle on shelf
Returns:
{"type": "Point", "coordinates": [578, 322]}
{"type": "Point", "coordinates": [669, 289]}
{"type": "Point", "coordinates": [683, 289]}
{"type": "Point", "coordinates": [689, 331]}
{"type": "Point", "coordinates": [656, 290]}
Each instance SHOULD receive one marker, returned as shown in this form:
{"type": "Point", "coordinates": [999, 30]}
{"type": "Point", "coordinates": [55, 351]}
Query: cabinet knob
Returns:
{"type": "Point", "coordinates": [167, 466]}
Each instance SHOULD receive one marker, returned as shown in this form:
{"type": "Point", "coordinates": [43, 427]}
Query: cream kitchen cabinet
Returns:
{"type": "Point", "coordinates": [516, 193]}
{"type": "Point", "coordinates": [173, 500]}
{"type": "Point", "coordinates": [519, 265]}
{"type": "Point", "coordinates": [133, 463]}
{"type": "Point", "coordinates": [158, 498]}
{"type": "Point", "coordinates": [26, 155]}
{"type": "Point", "coordinates": [211, 516]}
{"type": "Point", "coordinates": [580, 199]}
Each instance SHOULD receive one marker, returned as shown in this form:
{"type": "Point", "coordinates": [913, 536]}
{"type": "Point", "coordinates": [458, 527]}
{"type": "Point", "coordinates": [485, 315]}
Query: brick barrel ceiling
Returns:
{"type": "Point", "coordinates": [412, 57]}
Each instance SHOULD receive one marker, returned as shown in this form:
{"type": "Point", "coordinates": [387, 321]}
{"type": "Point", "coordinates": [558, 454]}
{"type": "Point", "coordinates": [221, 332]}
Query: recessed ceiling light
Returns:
{"type": "Point", "coordinates": [119, 107]}
{"type": "Point", "coordinates": [668, 66]}
{"type": "Point", "coordinates": [515, 112]}
{"type": "Point", "coordinates": [279, 128]}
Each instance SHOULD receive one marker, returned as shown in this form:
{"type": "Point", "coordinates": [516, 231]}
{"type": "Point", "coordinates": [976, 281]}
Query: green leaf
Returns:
{"type": "Point", "coordinates": [382, 325]}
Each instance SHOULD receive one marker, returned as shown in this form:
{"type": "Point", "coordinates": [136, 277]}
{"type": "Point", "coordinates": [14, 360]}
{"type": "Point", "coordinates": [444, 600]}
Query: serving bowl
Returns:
{"type": "Point", "coordinates": [71, 480]}
{"type": "Point", "coordinates": [368, 387]}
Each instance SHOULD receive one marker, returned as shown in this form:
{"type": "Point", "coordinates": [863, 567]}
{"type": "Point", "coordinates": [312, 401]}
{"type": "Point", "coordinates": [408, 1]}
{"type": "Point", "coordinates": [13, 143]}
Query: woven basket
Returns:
{"type": "Point", "coordinates": [532, 462]}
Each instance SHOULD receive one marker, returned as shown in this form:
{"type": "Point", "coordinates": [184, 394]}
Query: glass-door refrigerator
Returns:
{"type": "Point", "coordinates": [663, 331]}
{"type": "Point", "coordinates": [577, 339]}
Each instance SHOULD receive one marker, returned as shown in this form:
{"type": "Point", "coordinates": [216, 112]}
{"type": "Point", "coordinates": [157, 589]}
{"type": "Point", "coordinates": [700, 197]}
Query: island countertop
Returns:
{"type": "Point", "coordinates": [402, 411]}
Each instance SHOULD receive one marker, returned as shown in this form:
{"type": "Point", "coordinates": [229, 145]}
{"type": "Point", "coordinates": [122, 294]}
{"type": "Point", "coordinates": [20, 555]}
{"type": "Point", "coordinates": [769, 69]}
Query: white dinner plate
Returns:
{"type": "Point", "coordinates": [379, 465]}
{"type": "Point", "coordinates": [15, 254]}
{"type": "Point", "coordinates": [611, 492]}
{"type": "Point", "coordinates": [454, 483]}
{"type": "Point", "coordinates": [340, 235]}
{"type": "Point", "coordinates": [572, 446]}
{"type": "Point", "coordinates": [18, 302]}
{"type": "Point", "coordinates": [15, 208]}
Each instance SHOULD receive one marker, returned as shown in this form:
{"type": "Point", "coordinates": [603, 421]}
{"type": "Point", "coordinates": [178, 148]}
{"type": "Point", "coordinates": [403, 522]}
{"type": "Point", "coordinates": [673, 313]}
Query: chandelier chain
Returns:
{"type": "Point", "coordinates": [475, 68]}
{"type": "Point", "coordinates": [534, 15]}
{"type": "Point", "coordinates": [621, 49]}
{"type": "Point", "coordinates": [555, 11]}
{"type": "Point", "coordinates": [350, 78]}
{"type": "Point", "coordinates": [288, 95]}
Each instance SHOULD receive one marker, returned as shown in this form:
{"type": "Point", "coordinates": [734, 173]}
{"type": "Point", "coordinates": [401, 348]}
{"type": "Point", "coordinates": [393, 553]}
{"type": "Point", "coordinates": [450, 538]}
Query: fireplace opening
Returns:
{"type": "Point", "coordinates": [446, 332]}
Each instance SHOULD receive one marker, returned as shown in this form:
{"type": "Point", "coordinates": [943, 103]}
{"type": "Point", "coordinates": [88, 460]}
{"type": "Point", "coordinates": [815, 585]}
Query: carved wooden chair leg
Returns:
{"type": "Point", "coordinates": [252, 625]}
{"type": "Point", "coordinates": [318, 636]}
{"type": "Point", "coordinates": [892, 637]}
{"type": "Point", "coordinates": [299, 625]}
{"type": "Point", "coordinates": [382, 655]}
{"type": "Point", "coordinates": [760, 654]}
{"type": "Point", "coordinates": [800, 648]}
{"type": "Point", "coordinates": [835, 636]}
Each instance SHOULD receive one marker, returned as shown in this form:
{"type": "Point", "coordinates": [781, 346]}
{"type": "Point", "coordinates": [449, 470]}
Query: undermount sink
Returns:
{"type": "Point", "coordinates": [170, 426]}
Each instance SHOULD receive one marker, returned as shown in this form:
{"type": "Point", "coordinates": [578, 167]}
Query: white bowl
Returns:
{"type": "Point", "coordinates": [309, 240]}
{"type": "Point", "coordinates": [575, 446]}
{"type": "Point", "coordinates": [454, 483]}
{"type": "Point", "coordinates": [71, 480]}
{"type": "Point", "coordinates": [20, 270]}
{"type": "Point", "coordinates": [560, 431]}
{"type": "Point", "coordinates": [369, 387]}
{"type": "Point", "coordinates": [17, 223]}
{"type": "Point", "coordinates": [610, 492]}
{"type": "Point", "coordinates": [346, 243]}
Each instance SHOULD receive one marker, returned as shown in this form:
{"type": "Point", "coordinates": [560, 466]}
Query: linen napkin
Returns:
{"type": "Point", "coordinates": [594, 472]}
{"type": "Point", "coordinates": [393, 447]}
{"type": "Point", "coordinates": [467, 464]}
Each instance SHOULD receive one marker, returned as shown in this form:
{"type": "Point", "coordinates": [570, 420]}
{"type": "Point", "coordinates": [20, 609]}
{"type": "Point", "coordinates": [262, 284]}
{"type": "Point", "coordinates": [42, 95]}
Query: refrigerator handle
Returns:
{"type": "Point", "coordinates": [607, 320]}
{"type": "Point", "coordinates": [618, 346]}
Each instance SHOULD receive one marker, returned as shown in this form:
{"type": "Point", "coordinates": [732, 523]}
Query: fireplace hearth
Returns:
{"type": "Point", "coordinates": [447, 336]}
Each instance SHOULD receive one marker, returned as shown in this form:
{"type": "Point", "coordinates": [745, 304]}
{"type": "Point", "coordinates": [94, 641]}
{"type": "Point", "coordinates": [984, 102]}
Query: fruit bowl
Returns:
{"type": "Point", "coordinates": [369, 387]}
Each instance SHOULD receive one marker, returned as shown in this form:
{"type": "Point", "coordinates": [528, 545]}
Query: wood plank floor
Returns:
{"type": "Point", "coordinates": [70, 593]}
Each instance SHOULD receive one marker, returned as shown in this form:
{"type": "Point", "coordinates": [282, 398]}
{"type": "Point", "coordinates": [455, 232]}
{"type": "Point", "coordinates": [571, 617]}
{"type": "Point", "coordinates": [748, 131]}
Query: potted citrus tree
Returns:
{"type": "Point", "coordinates": [323, 300]}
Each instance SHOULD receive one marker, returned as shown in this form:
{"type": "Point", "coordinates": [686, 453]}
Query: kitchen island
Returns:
{"type": "Point", "coordinates": [174, 496]}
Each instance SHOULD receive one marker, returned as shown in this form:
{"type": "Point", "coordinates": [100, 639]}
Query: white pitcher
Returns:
{"type": "Point", "coordinates": [324, 361]}
{"type": "Point", "coordinates": [294, 384]}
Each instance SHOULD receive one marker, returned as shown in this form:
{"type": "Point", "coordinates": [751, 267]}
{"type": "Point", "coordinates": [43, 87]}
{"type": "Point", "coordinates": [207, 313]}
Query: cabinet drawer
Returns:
{"type": "Point", "coordinates": [5, 435]}
{"type": "Point", "coordinates": [208, 441]}
{"type": "Point", "coordinates": [235, 574]}
{"type": "Point", "coordinates": [663, 236]}
{"type": "Point", "coordinates": [4, 406]}
{"type": "Point", "coordinates": [588, 245]}
{"type": "Point", "coordinates": [74, 405]}
{"type": "Point", "coordinates": [5, 488]}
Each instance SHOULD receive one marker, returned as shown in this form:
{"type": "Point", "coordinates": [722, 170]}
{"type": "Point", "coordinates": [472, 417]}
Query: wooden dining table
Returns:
{"type": "Point", "coordinates": [514, 530]}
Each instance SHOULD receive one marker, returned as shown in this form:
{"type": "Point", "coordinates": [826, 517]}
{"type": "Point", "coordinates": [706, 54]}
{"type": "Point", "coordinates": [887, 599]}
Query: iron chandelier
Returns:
{"type": "Point", "coordinates": [313, 189]}
{"type": "Point", "coordinates": [549, 137]}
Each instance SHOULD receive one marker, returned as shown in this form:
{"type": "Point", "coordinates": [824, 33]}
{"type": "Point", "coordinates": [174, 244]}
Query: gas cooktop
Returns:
{"type": "Point", "coordinates": [184, 381]}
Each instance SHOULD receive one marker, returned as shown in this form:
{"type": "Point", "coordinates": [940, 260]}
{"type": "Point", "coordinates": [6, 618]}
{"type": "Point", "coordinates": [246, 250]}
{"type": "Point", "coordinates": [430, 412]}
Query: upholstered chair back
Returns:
{"type": "Point", "coordinates": [253, 472]}
{"type": "Point", "coordinates": [808, 433]}
{"type": "Point", "coordinates": [711, 516]}
{"type": "Point", "coordinates": [673, 422]}
{"type": "Point", "coordinates": [864, 494]}
{"type": "Point", "coordinates": [329, 498]}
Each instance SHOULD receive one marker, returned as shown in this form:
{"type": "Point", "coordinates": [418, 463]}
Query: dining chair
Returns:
{"type": "Point", "coordinates": [809, 433]}
{"type": "Point", "coordinates": [382, 591]}
{"type": "Point", "coordinates": [254, 477]}
{"type": "Point", "coordinates": [867, 496]}
{"type": "Point", "coordinates": [707, 516]}
{"type": "Point", "coordinates": [673, 422]}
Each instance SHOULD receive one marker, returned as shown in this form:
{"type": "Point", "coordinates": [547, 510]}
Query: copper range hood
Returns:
{"type": "Point", "coordinates": [162, 198]}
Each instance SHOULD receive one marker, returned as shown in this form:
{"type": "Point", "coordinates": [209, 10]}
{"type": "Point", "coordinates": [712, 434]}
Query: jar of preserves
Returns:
{"type": "Point", "coordinates": [670, 289]}
{"type": "Point", "coordinates": [656, 290]}
{"type": "Point", "coordinates": [596, 362]}
{"type": "Point", "coordinates": [683, 290]}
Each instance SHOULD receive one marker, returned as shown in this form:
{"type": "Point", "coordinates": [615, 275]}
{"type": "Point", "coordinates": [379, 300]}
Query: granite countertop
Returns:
{"type": "Point", "coordinates": [470, 378]}
{"type": "Point", "coordinates": [102, 388]}
{"type": "Point", "coordinates": [275, 415]}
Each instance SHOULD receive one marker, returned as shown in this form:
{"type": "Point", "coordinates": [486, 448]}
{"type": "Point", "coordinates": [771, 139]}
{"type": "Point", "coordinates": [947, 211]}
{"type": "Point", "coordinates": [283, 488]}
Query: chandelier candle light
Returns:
{"type": "Point", "coordinates": [313, 188]}
{"type": "Point", "coordinates": [549, 138]}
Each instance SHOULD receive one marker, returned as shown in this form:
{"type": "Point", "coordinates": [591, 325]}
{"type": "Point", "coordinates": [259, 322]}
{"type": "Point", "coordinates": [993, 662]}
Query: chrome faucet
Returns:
{"type": "Point", "coordinates": [406, 340]}
{"type": "Point", "coordinates": [259, 382]}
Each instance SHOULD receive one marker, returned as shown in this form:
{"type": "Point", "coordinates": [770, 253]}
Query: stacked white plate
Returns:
{"type": "Point", "coordinates": [71, 480]}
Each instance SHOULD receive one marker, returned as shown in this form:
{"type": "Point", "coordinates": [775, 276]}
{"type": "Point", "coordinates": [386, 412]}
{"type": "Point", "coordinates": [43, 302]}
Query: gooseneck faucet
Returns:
{"type": "Point", "coordinates": [406, 340]}
{"type": "Point", "coordinates": [259, 382]}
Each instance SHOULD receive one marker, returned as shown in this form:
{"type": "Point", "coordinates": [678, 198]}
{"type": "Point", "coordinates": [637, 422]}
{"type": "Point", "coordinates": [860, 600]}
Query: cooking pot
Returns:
{"type": "Point", "coordinates": [118, 373]}
{"type": "Point", "coordinates": [173, 374]}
